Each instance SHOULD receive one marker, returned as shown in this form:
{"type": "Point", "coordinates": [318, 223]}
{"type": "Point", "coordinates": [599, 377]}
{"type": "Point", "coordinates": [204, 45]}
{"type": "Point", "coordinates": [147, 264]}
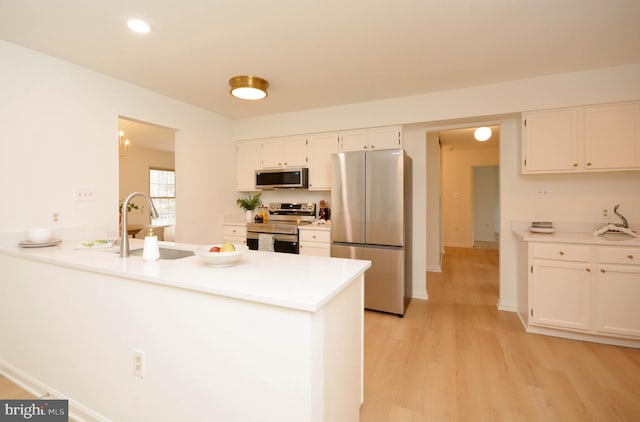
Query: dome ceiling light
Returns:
{"type": "Point", "coordinates": [482, 134]}
{"type": "Point", "coordinates": [248, 87]}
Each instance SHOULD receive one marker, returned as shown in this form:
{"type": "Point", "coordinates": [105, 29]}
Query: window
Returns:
{"type": "Point", "coordinates": [162, 189]}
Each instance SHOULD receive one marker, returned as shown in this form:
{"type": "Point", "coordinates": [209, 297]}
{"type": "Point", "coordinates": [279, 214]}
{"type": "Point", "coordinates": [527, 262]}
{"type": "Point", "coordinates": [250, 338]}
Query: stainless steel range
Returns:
{"type": "Point", "coordinates": [281, 227]}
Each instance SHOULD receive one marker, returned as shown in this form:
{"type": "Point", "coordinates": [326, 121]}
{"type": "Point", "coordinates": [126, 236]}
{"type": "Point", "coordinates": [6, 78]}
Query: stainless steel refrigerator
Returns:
{"type": "Point", "coordinates": [371, 219]}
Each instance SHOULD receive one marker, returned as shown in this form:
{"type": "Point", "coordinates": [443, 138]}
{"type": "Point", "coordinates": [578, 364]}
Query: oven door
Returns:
{"type": "Point", "coordinates": [286, 243]}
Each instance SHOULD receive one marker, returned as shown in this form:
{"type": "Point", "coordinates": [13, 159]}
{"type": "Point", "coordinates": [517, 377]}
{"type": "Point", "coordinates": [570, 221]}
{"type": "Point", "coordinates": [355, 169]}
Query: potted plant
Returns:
{"type": "Point", "coordinates": [249, 204]}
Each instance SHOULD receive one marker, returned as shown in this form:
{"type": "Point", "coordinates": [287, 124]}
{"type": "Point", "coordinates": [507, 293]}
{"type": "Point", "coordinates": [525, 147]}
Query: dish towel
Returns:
{"type": "Point", "coordinates": [265, 242]}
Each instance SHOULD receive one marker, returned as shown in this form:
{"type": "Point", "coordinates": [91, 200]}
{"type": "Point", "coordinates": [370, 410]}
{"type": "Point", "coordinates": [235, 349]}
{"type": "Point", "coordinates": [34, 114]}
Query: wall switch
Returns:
{"type": "Point", "coordinates": [138, 363]}
{"type": "Point", "coordinates": [85, 194]}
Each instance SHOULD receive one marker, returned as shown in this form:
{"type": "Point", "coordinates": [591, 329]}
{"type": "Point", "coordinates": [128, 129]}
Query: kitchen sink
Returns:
{"type": "Point", "coordinates": [166, 253]}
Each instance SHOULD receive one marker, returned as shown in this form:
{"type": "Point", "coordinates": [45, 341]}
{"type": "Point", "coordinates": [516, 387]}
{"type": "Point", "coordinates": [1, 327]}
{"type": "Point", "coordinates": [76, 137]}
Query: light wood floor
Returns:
{"type": "Point", "coordinates": [457, 358]}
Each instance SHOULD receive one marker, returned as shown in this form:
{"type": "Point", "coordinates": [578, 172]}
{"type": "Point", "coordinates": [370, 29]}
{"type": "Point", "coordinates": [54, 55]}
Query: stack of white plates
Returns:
{"type": "Point", "coordinates": [542, 227]}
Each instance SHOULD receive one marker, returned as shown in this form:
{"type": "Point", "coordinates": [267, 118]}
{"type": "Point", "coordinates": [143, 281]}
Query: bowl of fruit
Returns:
{"type": "Point", "coordinates": [221, 255]}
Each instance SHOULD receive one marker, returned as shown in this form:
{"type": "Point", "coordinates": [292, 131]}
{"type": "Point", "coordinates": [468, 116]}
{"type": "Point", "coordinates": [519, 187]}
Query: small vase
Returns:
{"type": "Point", "coordinates": [248, 216]}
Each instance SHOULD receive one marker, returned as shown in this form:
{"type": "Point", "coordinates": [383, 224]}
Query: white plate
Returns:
{"type": "Point", "coordinates": [542, 229]}
{"type": "Point", "coordinates": [30, 244]}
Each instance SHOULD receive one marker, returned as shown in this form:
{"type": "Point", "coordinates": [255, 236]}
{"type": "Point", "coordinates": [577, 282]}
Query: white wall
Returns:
{"type": "Point", "coordinates": [486, 202]}
{"type": "Point", "coordinates": [573, 197]}
{"type": "Point", "coordinates": [59, 132]}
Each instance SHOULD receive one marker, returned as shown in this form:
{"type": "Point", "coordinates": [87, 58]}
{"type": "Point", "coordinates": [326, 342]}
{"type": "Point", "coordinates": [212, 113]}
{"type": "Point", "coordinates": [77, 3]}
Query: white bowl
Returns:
{"type": "Point", "coordinates": [220, 259]}
{"type": "Point", "coordinates": [39, 235]}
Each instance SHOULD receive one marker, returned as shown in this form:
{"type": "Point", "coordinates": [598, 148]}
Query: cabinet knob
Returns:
{"type": "Point", "coordinates": [285, 164]}
{"type": "Point", "coordinates": [588, 270]}
{"type": "Point", "coordinates": [602, 270]}
{"type": "Point", "coordinates": [589, 163]}
{"type": "Point", "coordinates": [314, 236]}
{"type": "Point", "coordinates": [561, 253]}
{"type": "Point", "coordinates": [630, 256]}
{"type": "Point", "coordinates": [373, 146]}
{"type": "Point", "coordinates": [233, 231]}
{"type": "Point", "coordinates": [575, 164]}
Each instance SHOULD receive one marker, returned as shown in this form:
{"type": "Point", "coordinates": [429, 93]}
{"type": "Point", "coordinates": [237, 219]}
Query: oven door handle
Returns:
{"type": "Point", "coordinates": [276, 236]}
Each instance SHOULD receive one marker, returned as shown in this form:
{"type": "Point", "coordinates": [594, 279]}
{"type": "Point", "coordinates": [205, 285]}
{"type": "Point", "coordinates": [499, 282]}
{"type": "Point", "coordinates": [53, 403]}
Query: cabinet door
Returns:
{"type": "Point", "coordinates": [355, 140]}
{"type": "Point", "coordinates": [319, 151]}
{"type": "Point", "coordinates": [559, 294]}
{"type": "Point", "coordinates": [272, 154]}
{"type": "Point", "coordinates": [551, 141]}
{"type": "Point", "coordinates": [247, 162]}
{"type": "Point", "coordinates": [616, 296]}
{"type": "Point", "coordinates": [385, 138]}
{"type": "Point", "coordinates": [612, 136]}
{"type": "Point", "coordinates": [294, 152]}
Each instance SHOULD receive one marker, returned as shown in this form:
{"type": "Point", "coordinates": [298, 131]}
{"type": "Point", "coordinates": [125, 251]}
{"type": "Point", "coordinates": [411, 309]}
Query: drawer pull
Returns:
{"type": "Point", "coordinates": [602, 270]}
{"type": "Point", "coordinates": [588, 270]}
{"type": "Point", "coordinates": [630, 256]}
{"type": "Point", "coordinates": [561, 253]}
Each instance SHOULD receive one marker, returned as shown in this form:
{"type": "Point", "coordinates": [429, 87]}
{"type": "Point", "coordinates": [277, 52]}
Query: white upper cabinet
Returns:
{"type": "Point", "coordinates": [247, 162]}
{"type": "Point", "coordinates": [612, 136]}
{"type": "Point", "coordinates": [319, 150]}
{"type": "Point", "coordinates": [582, 139]}
{"type": "Point", "coordinates": [551, 140]}
{"type": "Point", "coordinates": [284, 152]}
{"type": "Point", "coordinates": [369, 139]}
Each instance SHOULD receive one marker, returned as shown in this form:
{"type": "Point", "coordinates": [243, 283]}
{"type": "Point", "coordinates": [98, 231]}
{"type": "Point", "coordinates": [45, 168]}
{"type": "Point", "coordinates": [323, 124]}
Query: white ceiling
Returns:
{"type": "Point", "coordinates": [147, 135]}
{"type": "Point", "coordinates": [324, 53]}
{"type": "Point", "coordinates": [463, 139]}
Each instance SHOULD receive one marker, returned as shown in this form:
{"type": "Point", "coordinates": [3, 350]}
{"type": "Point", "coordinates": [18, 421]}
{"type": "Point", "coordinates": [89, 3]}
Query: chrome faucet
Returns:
{"type": "Point", "coordinates": [124, 241]}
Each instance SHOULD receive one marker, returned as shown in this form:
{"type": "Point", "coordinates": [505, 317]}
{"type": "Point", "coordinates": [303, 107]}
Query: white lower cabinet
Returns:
{"type": "Point", "coordinates": [315, 242]}
{"type": "Point", "coordinates": [560, 294]}
{"type": "Point", "coordinates": [617, 292]}
{"type": "Point", "coordinates": [235, 233]}
{"type": "Point", "coordinates": [585, 288]}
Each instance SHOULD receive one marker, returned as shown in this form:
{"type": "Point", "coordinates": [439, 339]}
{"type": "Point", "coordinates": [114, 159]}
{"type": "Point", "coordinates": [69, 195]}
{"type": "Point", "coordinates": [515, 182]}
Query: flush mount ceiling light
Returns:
{"type": "Point", "coordinates": [248, 87]}
{"type": "Point", "coordinates": [482, 134]}
{"type": "Point", "coordinates": [136, 25]}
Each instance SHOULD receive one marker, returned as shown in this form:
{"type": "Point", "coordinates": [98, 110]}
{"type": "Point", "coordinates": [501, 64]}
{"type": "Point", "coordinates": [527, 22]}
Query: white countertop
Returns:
{"type": "Point", "coordinates": [316, 226]}
{"type": "Point", "coordinates": [292, 281]}
{"type": "Point", "coordinates": [586, 238]}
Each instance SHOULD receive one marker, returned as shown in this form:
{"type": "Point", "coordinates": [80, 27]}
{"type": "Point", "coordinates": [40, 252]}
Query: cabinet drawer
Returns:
{"type": "Point", "coordinates": [561, 251]}
{"type": "Point", "coordinates": [614, 255]}
{"type": "Point", "coordinates": [230, 231]}
{"type": "Point", "coordinates": [315, 236]}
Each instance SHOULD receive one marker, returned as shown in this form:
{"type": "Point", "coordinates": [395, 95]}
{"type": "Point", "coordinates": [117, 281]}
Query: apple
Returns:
{"type": "Point", "coordinates": [215, 249]}
{"type": "Point", "coordinates": [227, 247]}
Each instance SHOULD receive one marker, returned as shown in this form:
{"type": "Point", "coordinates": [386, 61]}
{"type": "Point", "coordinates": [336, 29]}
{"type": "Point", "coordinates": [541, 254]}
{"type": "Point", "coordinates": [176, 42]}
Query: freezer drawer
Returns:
{"type": "Point", "coordinates": [384, 282]}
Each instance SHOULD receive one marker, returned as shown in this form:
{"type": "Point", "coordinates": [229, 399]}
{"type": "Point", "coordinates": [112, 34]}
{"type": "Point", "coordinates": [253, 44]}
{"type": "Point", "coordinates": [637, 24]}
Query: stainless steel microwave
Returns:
{"type": "Point", "coordinates": [297, 177]}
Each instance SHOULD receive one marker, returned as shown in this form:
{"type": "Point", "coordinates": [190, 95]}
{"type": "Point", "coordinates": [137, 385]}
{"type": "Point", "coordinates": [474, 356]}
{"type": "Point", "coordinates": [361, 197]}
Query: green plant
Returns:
{"type": "Point", "coordinates": [250, 203]}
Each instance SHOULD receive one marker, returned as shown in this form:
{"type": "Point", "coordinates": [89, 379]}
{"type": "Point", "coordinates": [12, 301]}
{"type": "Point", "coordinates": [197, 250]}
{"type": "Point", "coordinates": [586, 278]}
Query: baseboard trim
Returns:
{"type": "Point", "coordinates": [509, 307]}
{"type": "Point", "coordinates": [77, 412]}
{"type": "Point", "coordinates": [434, 269]}
{"type": "Point", "coordinates": [635, 344]}
{"type": "Point", "coordinates": [420, 295]}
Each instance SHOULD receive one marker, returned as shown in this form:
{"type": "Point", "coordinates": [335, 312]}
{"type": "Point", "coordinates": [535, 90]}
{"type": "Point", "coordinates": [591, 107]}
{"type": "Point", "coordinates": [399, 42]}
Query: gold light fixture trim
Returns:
{"type": "Point", "coordinates": [248, 87]}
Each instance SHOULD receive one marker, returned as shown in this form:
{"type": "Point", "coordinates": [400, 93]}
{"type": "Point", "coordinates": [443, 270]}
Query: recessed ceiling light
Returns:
{"type": "Point", "coordinates": [136, 25]}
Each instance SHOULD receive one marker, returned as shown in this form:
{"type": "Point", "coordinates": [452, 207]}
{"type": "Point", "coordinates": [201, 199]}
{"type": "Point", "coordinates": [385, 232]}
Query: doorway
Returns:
{"type": "Point", "coordinates": [147, 151]}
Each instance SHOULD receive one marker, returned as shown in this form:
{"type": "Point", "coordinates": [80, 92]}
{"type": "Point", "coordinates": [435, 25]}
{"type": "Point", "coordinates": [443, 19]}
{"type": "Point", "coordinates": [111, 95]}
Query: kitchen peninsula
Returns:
{"type": "Point", "coordinates": [277, 337]}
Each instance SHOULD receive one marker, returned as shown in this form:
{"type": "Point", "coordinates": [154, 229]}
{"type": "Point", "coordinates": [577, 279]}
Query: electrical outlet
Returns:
{"type": "Point", "coordinates": [543, 192]}
{"type": "Point", "coordinates": [138, 363]}
{"type": "Point", "coordinates": [85, 194]}
{"type": "Point", "coordinates": [55, 218]}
